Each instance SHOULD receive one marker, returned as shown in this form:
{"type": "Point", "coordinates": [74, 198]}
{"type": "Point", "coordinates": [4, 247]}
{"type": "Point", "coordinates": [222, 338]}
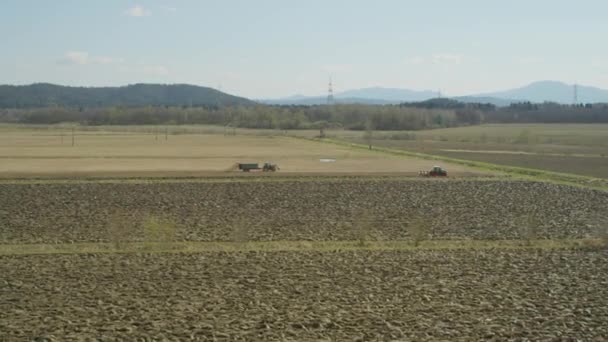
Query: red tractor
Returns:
{"type": "Point", "coordinates": [436, 171]}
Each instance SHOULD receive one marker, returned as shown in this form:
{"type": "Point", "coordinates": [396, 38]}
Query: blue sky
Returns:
{"type": "Point", "coordinates": [272, 48]}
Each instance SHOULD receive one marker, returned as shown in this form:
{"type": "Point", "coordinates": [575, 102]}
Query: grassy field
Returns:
{"type": "Point", "coordinates": [567, 148]}
{"type": "Point", "coordinates": [39, 151]}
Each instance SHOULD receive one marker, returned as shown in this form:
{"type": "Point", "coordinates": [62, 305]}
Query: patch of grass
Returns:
{"type": "Point", "coordinates": [295, 246]}
{"type": "Point", "coordinates": [418, 229]}
{"type": "Point", "coordinates": [160, 232]}
{"type": "Point", "coordinates": [523, 137]}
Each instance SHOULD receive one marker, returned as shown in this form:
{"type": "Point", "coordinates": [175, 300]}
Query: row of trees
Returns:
{"type": "Point", "coordinates": [354, 116]}
{"type": "Point", "coordinates": [527, 112]}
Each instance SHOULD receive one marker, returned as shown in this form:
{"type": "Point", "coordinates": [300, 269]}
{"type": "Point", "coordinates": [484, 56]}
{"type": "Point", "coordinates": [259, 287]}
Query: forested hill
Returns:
{"type": "Point", "coordinates": [50, 95]}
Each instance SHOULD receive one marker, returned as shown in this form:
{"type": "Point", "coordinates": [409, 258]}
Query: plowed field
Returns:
{"type": "Point", "coordinates": [345, 296]}
{"type": "Point", "coordinates": [299, 210]}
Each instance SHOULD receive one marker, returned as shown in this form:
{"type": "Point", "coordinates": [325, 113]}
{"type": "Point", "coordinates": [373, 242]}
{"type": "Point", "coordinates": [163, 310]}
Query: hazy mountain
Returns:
{"type": "Point", "coordinates": [552, 91]}
{"type": "Point", "coordinates": [498, 102]}
{"type": "Point", "coordinates": [44, 95]}
{"type": "Point", "coordinates": [374, 95]}
{"type": "Point", "coordinates": [388, 94]}
{"type": "Point", "coordinates": [542, 91]}
{"type": "Point", "coordinates": [321, 100]}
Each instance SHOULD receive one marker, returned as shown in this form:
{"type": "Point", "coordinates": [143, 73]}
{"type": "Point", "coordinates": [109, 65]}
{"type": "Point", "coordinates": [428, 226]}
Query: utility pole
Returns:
{"type": "Point", "coordinates": [330, 92]}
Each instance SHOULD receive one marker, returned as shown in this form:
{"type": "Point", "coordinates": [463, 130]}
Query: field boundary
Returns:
{"type": "Point", "coordinates": [513, 171]}
{"type": "Point", "coordinates": [297, 246]}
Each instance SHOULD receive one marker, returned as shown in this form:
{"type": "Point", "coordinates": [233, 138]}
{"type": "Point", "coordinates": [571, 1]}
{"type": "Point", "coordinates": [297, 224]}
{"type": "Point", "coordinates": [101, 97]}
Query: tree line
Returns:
{"type": "Point", "coordinates": [438, 114]}
{"type": "Point", "coordinates": [353, 117]}
{"type": "Point", "coordinates": [549, 112]}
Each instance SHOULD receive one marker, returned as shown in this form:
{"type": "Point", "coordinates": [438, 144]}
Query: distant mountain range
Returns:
{"type": "Point", "coordinates": [48, 95]}
{"type": "Point", "coordinates": [543, 91]}
{"type": "Point", "coordinates": [552, 91]}
{"type": "Point", "coordinates": [374, 95]}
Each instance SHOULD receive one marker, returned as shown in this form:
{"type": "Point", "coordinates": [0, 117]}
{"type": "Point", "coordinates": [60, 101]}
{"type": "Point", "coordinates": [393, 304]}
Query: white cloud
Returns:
{"type": "Point", "coordinates": [137, 11]}
{"type": "Point", "coordinates": [84, 58]}
{"type": "Point", "coordinates": [75, 57]}
{"type": "Point", "coordinates": [416, 60]}
{"type": "Point", "coordinates": [447, 59]}
{"type": "Point", "coordinates": [105, 60]}
{"type": "Point", "coordinates": [155, 70]}
{"type": "Point", "coordinates": [169, 8]}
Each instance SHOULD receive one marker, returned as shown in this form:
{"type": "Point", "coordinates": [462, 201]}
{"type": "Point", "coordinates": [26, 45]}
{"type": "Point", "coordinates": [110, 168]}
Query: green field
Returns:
{"type": "Point", "coordinates": [567, 148]}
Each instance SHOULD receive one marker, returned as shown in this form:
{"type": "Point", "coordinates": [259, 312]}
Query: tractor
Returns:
{"type": "Point", "coordinates": [270, 167]}
{"type": "Point", "coordinates": [248, 167]}
{"type": "Point", "coordinates": [436, 171]}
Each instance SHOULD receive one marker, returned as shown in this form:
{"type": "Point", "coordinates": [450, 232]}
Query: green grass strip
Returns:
{"type": "Point", "coordinates": [514, 171]}
{"type": "Point", "coordinates": [297, 246]}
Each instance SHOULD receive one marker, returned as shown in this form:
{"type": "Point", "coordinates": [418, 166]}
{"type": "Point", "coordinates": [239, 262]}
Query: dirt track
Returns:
{"type": "Point", "coordinates": [347, 296]}
{"type": "Point", "coordinates": [331, 209]}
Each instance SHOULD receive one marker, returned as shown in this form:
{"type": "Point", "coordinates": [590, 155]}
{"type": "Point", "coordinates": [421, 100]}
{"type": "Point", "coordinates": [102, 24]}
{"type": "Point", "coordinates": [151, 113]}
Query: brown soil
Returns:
{"type": "Point", "coordinates": [346, 296]}
{"type": "Point", "coordinates": [328, 209]}
{"type": "Point", "coordinates": [122, 175]}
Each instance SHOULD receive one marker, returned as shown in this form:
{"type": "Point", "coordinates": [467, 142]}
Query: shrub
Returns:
{"type": "Point", "coordinates": [117, 228]}
{"type": "Point", "coordinates": [240, 230]}
{"type": "Point", "coordinates": [529, 227]}
{"type": "Point", "coordinates": [363, 227]}
{"type": "Point", "coordinates": [418, 229]}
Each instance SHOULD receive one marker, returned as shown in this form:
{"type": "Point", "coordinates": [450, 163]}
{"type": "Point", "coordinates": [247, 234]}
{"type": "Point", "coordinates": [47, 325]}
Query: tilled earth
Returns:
{"type": "Point", "coordinates": [346, 296]}
{"type": "Point", "coordinates": [298, 210]}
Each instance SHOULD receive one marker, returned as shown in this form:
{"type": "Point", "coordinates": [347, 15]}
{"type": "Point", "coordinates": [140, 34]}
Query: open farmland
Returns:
{"type": "Point", "coordinates": [569, 148]}
{"type": "Point", "coordinates": [345, 296]}
{"type": "Point", "coordinates": [298, 209]}
{"type": "Point", "coordinates": [37, 153]}
{"type": "Point", "coordinates": [315, 252]}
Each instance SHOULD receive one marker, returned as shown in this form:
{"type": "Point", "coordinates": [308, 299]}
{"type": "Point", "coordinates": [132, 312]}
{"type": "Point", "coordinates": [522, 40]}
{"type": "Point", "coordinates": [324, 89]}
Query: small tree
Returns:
{"type": "Point", "coordinates": [418, 229]}
{"type": "Point", "coordinates": [321, 126]}
{"type": "Point", "coordinates": [363, 227]}
{"type": "Point", "coordinates": [369, 132]}
{"type": "Point", "coordinates": [240, 230]}
{"type": "Point", "coordinates": [599, 223]}
{"type": "Point", "coordinates": [530, 227]}
{"type": "Point", "coordinates": [117, 228]}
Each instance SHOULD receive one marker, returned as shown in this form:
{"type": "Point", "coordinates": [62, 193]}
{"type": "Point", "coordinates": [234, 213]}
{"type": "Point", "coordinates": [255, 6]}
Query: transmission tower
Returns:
{"type": "Point", "coordinates": [575, 97]}
{"type": "Point", "coordinates": [330, 93]}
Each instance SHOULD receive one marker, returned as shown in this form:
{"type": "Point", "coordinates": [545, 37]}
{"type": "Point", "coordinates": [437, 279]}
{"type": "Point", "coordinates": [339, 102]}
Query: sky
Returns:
{"type": "Point", "coordinates": [277, 48]}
